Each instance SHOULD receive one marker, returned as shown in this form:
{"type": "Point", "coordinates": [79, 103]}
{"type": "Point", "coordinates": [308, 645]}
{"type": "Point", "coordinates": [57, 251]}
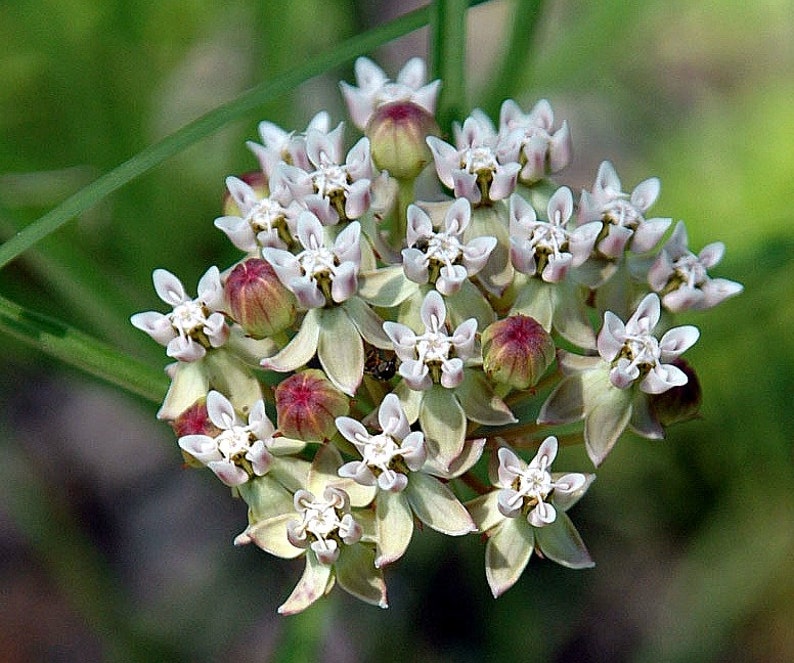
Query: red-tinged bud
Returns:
{"type": "Point", "coordinates": [258, 300]}
{"type": "Point", "coordinates": [194, 421]}
{"type": "Point", "coordinates": [517, 351]}
{"type": "Point", "coordinates": [307, 405]}
{"type": "Point", "coordinates": [256, 180]}
{"type": "Point", "coordinates": [397, 133]}
{"type": "Point", "coordinates": [678, 404]}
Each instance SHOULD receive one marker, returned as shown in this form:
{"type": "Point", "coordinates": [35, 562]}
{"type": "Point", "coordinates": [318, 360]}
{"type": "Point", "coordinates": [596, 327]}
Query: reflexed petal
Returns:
{"type": "Point", "coordinates": [202, 447]}
{"type": "Point", "coordinates": [415, 265]}
{"type": "Point", "coordinates": [605, 423]}
{"type": "Point", "coordinates": [484, 511]}
{"type": "Point", "coordinates": [645, 194]}
{"type": "Point", "coordinates": [444, 424]}
{"type": "Point", "coordinates": [228, 472]}
{"type": "Point", "coordinates": [340, 350]}
{"type": "Point", "coordinates": [168, 287]}
{"type": "Point", "coordinates": [358, 199]}
{"type": "Point", "coordinates": [450, 279]}
{"type": "Point", "coordinates": [663, 377]}
{"type": "Point", "coordinates": [300, 349]}
{"type": "Point", "coordinates": [543, 514]}
{"type": "Point", "coordinates": [157, 325]}
{"type": "Point", "coordinates": [220, 411]}
{"type": "Point", "coordinates": [677, 340]}
{"type": "Point", "coordinates": [648, 234]}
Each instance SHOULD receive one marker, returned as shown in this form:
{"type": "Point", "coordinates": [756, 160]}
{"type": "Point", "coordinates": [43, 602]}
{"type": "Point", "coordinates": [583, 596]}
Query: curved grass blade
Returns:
{"type": "Point", "coordinates": [80, 350]}
{"type": "Point", "coordinates": [205, 126]}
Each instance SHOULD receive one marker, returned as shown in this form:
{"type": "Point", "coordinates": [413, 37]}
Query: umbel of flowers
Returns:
{"type": "Point", "coordinates": [364, 365]}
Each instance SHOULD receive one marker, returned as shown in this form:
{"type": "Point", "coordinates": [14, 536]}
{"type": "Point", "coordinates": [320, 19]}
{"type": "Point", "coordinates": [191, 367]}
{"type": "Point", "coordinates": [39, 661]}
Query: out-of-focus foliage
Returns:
{"type": "Point", "coordinates": [693, 537]}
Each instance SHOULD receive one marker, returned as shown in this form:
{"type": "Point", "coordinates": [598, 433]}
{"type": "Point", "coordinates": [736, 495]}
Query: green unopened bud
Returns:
{"type": "Point", "coordinates": [517, 351]}
{"type": "Point", "coordinates": [258, 300]}
{"type": "Point", "coordinates": [397, 133]}
{"type": "Point", "coordinates": [307, 405]}
{"type": "Point", "coordinates": [678, 404]}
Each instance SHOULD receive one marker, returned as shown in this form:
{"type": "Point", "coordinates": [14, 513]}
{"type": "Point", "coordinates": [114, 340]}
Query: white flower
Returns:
{"type": "Point", "coordinates": [333, 186]}
{"type": "Point", "coordinates": [264, 221]}
{"type": "Point", "coordinates": [240, 450]}
{"type": "Point", "coordinates": [547, 248]}
{"type": "Point", "coordinates": [323, 522]}
{"type": "Point", "coordinates": [319, 273]}
{"type": "Point", "coordinates": [543, 150]}
{"type": "Point", "coordinates": [285, 146]}
{"type": "Point", "coordinates": [192, 326]}
{"type": "Point", "coordinates": [681, 277]}
{"type": "Point", "coordinates": [527, 488]}
{"type": "Point", "coordinates": [635, 354]}
{"type": "Point", "coordinates": [387, 455]}
{"type": "Point", "coordinates": [622, 213]}
{"type": "Point", "coordinates": [481, 165]}
{"type": "Point", "coordinates": [375, 89]}
{"type": "Point", "coordinates": [433, 356]}
{"type": "Point", "coordinates": [442, 257]}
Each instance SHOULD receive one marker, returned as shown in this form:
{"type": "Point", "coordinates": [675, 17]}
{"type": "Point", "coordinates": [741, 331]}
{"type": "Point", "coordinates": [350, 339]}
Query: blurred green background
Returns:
{"type": "Point", "coordinates": [110, 551]}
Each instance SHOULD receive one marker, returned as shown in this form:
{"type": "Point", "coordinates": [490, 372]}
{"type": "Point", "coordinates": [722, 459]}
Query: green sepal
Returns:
{"type": "Point", "coordinates": [301, 348]}
{"type": "Point", "coordinates": [443, 422]}
{"type": "Point", "coordinates": [480, 402]}
{"type": "Point", "coordinates": [340, 350]}
{"type": "Point", "coordinates": [386, 287]}
{"type": "Point", "coordinates": [357, 575]}
{"type": "Point", "coordinates": [395, 523]}
{"type": "Point", "coordinates": [313, 584]}
{"type": "Point", "coordinates": [436, 505]}
{"type": "Point", "coordinates": [561, 543]}
{"type": "Point", "coordinates": [507, 553]}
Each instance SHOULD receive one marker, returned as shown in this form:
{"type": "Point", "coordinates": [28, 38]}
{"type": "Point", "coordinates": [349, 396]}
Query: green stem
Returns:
{"type": "Point", "coordinates": [524, 20]}
{"type": "Point", "coordinates": [75, 348]}
{"type": "Point", "coordinates": [448, 55]}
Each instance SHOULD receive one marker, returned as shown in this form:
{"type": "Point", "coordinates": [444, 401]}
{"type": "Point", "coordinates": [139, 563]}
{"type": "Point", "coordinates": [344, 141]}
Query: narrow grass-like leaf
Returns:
{"type": "Point", "coordinates": [448, 55]}
{"type": "Point", "coordinates": [206, 125]}
{"type": "Point", "coordinates": [75, 348]}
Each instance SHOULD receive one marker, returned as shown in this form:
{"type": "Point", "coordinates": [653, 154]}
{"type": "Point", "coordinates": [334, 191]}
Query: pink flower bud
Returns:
{"type": "Point", "coordinates": [258, 300]}
{"type": "Point", "coordinates": [194, 421]}
{"type": "Point", "coordinates": [678, 404]}
{"type": "Point", "coordinates": [397, 133]}
{"type": "Point", "coordinates": [256, 180]}
{"type": "Point", "coordinates": [307, 405]}
{"type": "Point", "coordinates": [517, 351]}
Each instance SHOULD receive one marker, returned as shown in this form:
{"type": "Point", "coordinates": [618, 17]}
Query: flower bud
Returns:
{"type": "Point", "coordinates": [194, 421]}
{"type": "Point", "coordinates": [517, 351]}
{"type": "Point", "coordinates": [678, 404]}
{"type": "Point", "coordinates": [258, 300]}
{"type": "Point", "coordinates": [256, 180]}
{"type": "Point", "coordinates": [307, 405]}
{"type": "Point", "coordinates": [397, 133]}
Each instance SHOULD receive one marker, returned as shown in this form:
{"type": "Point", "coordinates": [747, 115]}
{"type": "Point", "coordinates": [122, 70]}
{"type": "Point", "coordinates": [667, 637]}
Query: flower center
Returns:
{"type": "Point", "coordinates": [266, 215]}
{"type": "Point", "coordinates": [188, 317]}
{"type": "Point", "coordinates": [317, 260]}
{"type": "Point", "coordinates": [320, 518]}
{"type": "Point", "coordinates": [689, 269]}
{"type": "Point", "coordinates": [479, 159]}
{"type": "Point", "coordinates": [234, 442]}
{"type": "Point", "coordinates": [378, 450]}
{"type": "Point", "coordinates": [621, 212]}
{"type": "Point", "coordinates": [329, 178]}
{"type": "Point", "coordinates": [642, 350]}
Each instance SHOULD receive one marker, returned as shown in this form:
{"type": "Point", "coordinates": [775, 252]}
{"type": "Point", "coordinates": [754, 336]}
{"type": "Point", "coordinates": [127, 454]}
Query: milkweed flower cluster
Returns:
{"type": "Point", "coordinates": [365, 363]}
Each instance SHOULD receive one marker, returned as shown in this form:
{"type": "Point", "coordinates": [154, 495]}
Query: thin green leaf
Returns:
{"type": "Point", "coordinates": [206, 125]}
{"type": "Point", "coordinates": [448, 50]}
{"type": "Point", "coordinates": [75, 348]}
